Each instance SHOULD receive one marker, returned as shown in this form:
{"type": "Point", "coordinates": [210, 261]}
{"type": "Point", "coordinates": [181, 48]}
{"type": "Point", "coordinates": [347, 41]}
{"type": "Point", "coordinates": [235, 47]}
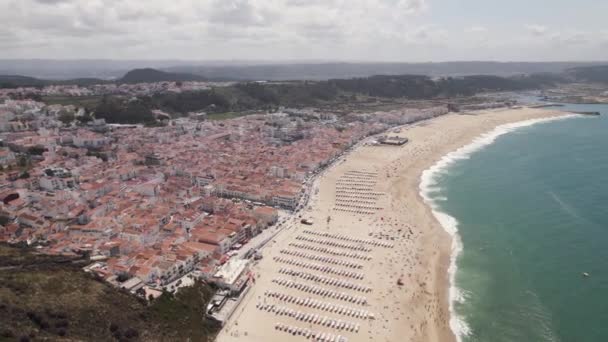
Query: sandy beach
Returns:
{"type": "Point", "coordinates": [374, 264]}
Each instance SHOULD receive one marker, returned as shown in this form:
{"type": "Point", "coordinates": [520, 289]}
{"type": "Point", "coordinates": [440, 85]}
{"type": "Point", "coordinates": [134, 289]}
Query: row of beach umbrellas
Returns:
{"type": "Point", "coordinates": [325, 280]}
{"type": "Point", "coordinates": [334, 243]}
{"type": "Point", "coordinates": [351, 191]}
{"type": "Point", "coordinates": [321, 258]}
{"type": "Point", "coordinates": [361, 197]}
{"type": "Point", "coordinates": [321, 291]}
{"type": "Point", "coordinates": [360, 174]}
{"type": "Point", "coordinates": [355, 211]}
{"type": "Point", "coordinates": [346, 201]}
{"type": "Point", "coordinates": [310, 334]}
{"type": "Point", "coordinates": [320, 268]}
{"type": "Point", "coordinates": [355, 182]}
{"type": "Point", "coordinates": [331, 251]}
{"type": "Point", "coordinates": [321, 305]}
{"type": "Point", "coordinates": [310, 317]}
{"type": "Point", "coordinates": [349, 239]}
{"type": "Point", "coordinates": [359, 207]}
{"type": "Point", "coordinates": [340, 188]}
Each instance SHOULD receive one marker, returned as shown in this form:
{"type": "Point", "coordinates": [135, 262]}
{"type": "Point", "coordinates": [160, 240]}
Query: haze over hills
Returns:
{"type": "Point", "coordinates": [597, 73]}
{"type": "Point", "coordinates": [146, 75]}
{"type": "Point", "coordinates": [153, 75]}
{"type": "Point", "coordinates": [324, 71]}
{"type": "Point", "coordinates": [560, 72]}
{"type": "Point", "coordinates": [260, 70]}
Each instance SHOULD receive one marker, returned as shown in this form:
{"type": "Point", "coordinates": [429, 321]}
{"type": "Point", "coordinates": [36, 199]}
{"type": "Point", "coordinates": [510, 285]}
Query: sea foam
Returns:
{"type": "Point", "coordinates": [429, 187]}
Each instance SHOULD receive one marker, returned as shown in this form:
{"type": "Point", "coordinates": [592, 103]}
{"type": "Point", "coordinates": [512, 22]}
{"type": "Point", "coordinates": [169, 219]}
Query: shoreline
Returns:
{"type": "Point", "coordinates": [411, 282]}
{"type": "Point", "coordinates": [428, 183]}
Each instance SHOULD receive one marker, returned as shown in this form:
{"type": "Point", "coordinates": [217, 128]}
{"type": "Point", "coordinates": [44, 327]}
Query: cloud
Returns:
{"type": "Point", "coordinates": [476, 29]}
{"type": "Point", "coordinates": [537, 30]}
{"type": "Point", "coordinates": [561, 37]}
{"type": "Point", "coordinates": [572, 37]}
{"type": "Point", "coordinates": [412, 6]}
{"type": "Point", "coordinates": [262, 29]}
{"type": "Point", "coordinates": [51, 2]}
{"type": "Point", "coordinates": [241, 13]}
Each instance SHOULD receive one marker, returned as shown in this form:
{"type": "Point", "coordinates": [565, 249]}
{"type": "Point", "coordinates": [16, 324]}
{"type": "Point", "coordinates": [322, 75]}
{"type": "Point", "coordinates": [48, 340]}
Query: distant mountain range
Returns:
{"type": "Point", "coordinates": [152, 75]}
{"type": "Point", "coordinates": [566, 71]}
{"type": "Point", "coordinates": [596, 73]}
{"type": "Point", "coordinates": [324, 71]}
{"type": "Point", "coordinates": [14, 81]}
{"type": "Point", "coordinates": [260, 70]}
{"type": "Point", "coordinates": [146, 75]}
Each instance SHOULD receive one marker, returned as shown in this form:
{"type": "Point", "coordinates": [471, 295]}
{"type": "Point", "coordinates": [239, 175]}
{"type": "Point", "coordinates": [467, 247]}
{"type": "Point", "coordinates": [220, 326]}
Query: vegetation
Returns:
{"type": "Point", "coordinates": [66, 118]}
{"type": "Point", "coordinates": [116, 110]}
{"type": "Point", "coordinates": [226, 116]}
{"type": "Point", "coordinates": [79, 101]}
{"type": "Point", "coordinates": [16, 81]}
{"type": "Point", "coordinates": [236, 100]}
{"type": "Point", "coordinates": [133, 76]}
{"type": "Point", "coordinates": [51, 298]}
{"type": "Point", "coordinates": [153, 75]}
{"type": "Point", "coordinates": [183, 314]}
{"type": "Point", "coordinates": [597, 73]}
{"type": "Point", "coordinates": [261, 96]}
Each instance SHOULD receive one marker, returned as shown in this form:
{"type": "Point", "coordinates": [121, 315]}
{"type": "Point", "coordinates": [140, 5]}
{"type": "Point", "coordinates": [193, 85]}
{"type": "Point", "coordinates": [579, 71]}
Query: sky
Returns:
{"type": "Point", "coordinates": [279, 30]}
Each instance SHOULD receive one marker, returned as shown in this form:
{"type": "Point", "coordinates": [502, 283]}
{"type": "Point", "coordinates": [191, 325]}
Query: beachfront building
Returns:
{"type": "Point", "coordinates": [285, 199]}
{"type": "Point", "coordinates": [233, 275]}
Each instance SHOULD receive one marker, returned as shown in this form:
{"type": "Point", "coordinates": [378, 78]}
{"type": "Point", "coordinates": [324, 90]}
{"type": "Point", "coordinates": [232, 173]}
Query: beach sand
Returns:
{"type": "Point", "coordinates": [385, 180]}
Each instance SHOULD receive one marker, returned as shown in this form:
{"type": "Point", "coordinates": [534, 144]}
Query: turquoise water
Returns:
{"type": "Point", "coordinates": [532, 212]}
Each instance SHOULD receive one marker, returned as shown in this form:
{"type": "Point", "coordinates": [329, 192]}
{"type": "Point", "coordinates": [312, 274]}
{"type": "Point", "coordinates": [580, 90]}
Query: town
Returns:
{"type": "Point", "coordinates": [153, 207]}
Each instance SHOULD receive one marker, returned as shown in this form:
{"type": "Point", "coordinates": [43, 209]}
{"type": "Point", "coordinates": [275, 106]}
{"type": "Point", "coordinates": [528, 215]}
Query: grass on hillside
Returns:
{"type": "Point", "coordinates": [226, 116]}
{"type": "Point", "coordinates": [41, 299]}
{"type": "Point", "coordinates": [78, 101]}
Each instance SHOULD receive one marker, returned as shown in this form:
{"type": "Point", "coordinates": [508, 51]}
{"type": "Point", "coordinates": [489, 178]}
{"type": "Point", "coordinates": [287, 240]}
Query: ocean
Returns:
{"type": "Point", "coordinates": [528, 207]}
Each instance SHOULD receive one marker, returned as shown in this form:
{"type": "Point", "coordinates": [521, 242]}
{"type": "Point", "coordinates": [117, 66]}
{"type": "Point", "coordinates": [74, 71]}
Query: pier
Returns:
{"type": "Point", "coordinates": [588, 113]}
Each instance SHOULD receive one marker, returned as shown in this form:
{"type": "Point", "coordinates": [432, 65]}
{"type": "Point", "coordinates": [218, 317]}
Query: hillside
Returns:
{"type": "Point", "coordinates": [146, 75]}
{"type": "Point", "coordinates": [325, 71]}
{"type": "Point", "coordinates": [51, 298]}
{"type": "Point", "coordinates": [16, 81]}
{"type": "Point", "coordinates": [261, 96]}
{"type": "Point", "coordinates": [152, 75]}
{"type": "Point", "coordinates": [598, 73]}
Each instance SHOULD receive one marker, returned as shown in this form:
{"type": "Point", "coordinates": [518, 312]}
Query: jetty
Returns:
{"type": "Point", "coordinates": [546, 105]}
{"type": "Point", "coordinates": [588, 113]}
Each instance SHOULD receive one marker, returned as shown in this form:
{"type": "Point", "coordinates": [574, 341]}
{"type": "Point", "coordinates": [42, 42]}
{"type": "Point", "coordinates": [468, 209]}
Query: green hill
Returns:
{"type": "Point", "coordinates": [147, 75]}
{"type": "Point", "coordinates": [15, 81]}
{"type": "Point", "coordinates": [598, 73]}
{"type": "Point", "coordinates": [50, 298]}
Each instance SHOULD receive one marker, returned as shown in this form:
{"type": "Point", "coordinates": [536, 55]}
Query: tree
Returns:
{"type": "Point", "coordinates": [115, 110]}
{"type": "Point", "coordinates": [36, 150]}
{"type": "Point", "coordinates": [123, 277]}
{"type": "Point", "coordinates": [66, 118]}
{"type": "Point", "coordinates": [22, 160]}
{"type": "Point", "coordinates": [86, 117]}
{"type": "Point", "coordinates": [131, 333]}
{"type": "Point", "coordinates": [4, 220]}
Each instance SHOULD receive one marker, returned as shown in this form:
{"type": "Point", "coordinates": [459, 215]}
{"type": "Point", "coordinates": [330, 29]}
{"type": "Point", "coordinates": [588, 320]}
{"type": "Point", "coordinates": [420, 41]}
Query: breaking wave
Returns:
{"type": "Point", "coordinates": [428, 190]}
